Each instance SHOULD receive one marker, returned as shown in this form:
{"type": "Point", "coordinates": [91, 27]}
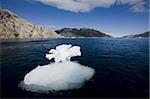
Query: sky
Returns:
{"type": "Point", "coordinates": [114, 17]}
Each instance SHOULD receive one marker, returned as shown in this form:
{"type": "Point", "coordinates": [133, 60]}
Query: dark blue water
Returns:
{"type": "Point", "coordinates": [122, 67]}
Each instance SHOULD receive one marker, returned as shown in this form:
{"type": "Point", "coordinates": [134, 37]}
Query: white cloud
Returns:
{"type": "Point", "coordinates": [130, 2]}
{"type": "Point", "coordinates": [140, 7]}
{"type": "Point", "coordinates": [136, 5]}
{"type": "Point", "coordinates": [88, 5]}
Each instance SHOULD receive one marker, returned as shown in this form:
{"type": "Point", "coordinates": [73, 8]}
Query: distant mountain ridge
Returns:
{"type": "Point", "coordinates": [14, 27]}
{"type": "Point", "coordinates": [142, 35]}
{"type": "Point", "coordinates": [82, 32]}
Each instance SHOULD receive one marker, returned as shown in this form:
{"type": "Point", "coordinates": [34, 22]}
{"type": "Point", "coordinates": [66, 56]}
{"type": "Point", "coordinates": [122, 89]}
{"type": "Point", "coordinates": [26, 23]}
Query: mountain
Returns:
{"type": "Point", "coordinates": [142, 35]}
{"type": "Point", "coordinates": [14, 27]}
{"type": "Point", "coordinates": [82, 32]}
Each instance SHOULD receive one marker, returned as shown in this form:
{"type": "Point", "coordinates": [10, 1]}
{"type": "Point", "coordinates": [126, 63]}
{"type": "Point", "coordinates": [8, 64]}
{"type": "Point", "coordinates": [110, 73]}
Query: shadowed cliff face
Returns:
{"type": "Point", "coordinates": [14, 27]}
{"type": "Point", "coordinates": [142, 35]}
{"type": "Point", "coordinates": [83, 32]}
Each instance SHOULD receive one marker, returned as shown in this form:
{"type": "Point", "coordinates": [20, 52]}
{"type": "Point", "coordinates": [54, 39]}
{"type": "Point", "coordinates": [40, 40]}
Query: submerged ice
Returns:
{"type": "Point", "coordinates": [62, 74]}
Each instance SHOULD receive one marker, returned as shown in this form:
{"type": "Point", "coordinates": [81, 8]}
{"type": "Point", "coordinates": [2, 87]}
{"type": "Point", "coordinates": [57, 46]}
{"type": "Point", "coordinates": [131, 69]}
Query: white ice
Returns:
{"type": "Point", "coordinates": [64, 52]}
{"type": "Point", "coordinates": [62, 74]}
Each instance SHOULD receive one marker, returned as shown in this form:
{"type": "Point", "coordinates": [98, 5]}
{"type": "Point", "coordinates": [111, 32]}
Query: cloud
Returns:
{"type": "Point", "coordinates": [88, 5]}
{"type": "Point", "coordinates": [140, 7]}
{"type": "Point", "coordinates": [136, 5]}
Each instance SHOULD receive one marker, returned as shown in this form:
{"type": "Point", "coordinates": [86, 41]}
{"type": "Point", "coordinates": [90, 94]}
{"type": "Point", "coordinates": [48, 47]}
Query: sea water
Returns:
{"type": "Point", "coordinates": [121, 66]}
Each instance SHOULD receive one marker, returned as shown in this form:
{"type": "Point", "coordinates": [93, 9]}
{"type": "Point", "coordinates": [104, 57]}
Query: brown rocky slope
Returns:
{"type": "Point", "coordinates": [14, 27]}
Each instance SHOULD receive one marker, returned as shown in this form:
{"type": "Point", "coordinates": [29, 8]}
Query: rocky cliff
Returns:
{"type": "Point", "coordinates": [14, 27]}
